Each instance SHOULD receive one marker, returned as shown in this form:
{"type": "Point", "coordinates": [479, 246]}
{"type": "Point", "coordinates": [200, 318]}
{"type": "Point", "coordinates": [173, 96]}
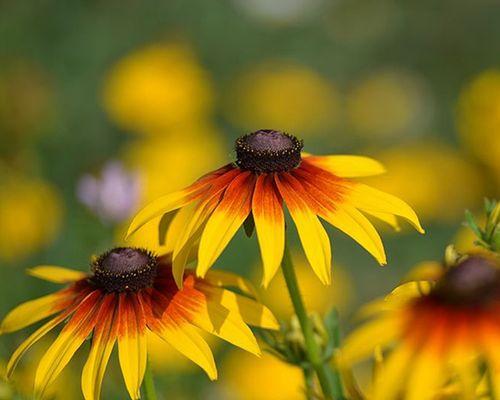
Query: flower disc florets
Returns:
{"type": "Point", "coordinates": [474, 281]}
{"type": "Point", "coordinates": [124, 269]}
{"type": "Point", "coordinates": [267, 151]}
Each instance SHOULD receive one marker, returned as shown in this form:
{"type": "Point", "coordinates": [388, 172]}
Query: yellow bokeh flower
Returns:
{"type": "Point", "coordinates": [479, 118]}
{"type": "Point", "coordinates": [387, 104]}
{"type": "Point", "coordinates": [317, 297]}
{"type": "Point", "coordinates": [435, 178]}
{"type": "Point", "coordinates": [157, 87]}
{"type": "Point", "coordinates": [264, 378]}
{"type": "Point", "coordinates": [30, 215]}
{"type": "Point", "coordinates": [290, 96]}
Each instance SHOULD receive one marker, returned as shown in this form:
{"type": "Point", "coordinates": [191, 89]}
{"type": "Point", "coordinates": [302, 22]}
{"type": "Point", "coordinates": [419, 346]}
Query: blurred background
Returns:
{"type": "Point", "coordinates": [105, 105]}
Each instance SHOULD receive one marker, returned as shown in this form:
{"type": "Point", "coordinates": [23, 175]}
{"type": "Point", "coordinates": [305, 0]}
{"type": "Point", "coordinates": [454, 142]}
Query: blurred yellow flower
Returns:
{"type": "Point", "coordinates": [434, 178]}
{"type": "Point", "coordinates": [261, 378]}
{"type": "Point", "coordinates": [387, 104]}
{"type": "Point", "coordinates": [283, 96]}
{"type": "Point", "coordinates": [168, 163]}
{"type": "Point", "coordinates": [319, 298]}
{"type": "Point", "coordinates": [30, 215]}
{"type": "Point", "coordinates": [157, 87]}
{"type": "Point", "coordinates": [479, 118]}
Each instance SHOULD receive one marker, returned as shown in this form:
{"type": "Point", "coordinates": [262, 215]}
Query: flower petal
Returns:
{"type": "Point", "coordinates": [252, 312]}
{"type": "Point", "coordinates": [426, 376]}
{"type": "Point", "coordinates": [33, 311]}
{"type": "Point", "coordinates": [103, 341]}
{"type": "Point", "coordinates": [312, 235]}
{"type": "Point", "coordinates": [67, 343]}
{"type": "Point", "coordinates": [132, 344]}
{"type": "Point", "coordinates": [267, 209]}
{"type": "Point", "coordinates": [225, 220]}
{"type": "Point", "coordinates": [347, 166]}
{"type": "Point", "coordinates": [221, 278]}
{"type": "Point", "coordinates": [369, 199]}
{"type": "Point", "coordinates": [53, 273]}
{"type": "Point", "coordinates": [389, 219]}
{"type": "Point", "coordinates": [184, 338]}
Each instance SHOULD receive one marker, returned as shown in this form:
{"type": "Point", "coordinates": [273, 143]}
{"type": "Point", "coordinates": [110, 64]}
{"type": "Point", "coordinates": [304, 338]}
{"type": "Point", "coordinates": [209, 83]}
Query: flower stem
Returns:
{"type": "Point", "coordinates": [148, 385]}
{"type": "Point", "coordinates": [309, 380]}
{"type": "Point", "coordinates": [312, 347]}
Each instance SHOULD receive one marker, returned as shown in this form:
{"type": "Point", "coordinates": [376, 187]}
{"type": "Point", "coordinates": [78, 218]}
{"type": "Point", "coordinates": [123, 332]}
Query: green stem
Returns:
{"type": "Point", "coordinates": [312, 347]}
{"type": "Point", "coordinates": [148, 385]}
{"type": "Point", "coordinates": [309, 380]}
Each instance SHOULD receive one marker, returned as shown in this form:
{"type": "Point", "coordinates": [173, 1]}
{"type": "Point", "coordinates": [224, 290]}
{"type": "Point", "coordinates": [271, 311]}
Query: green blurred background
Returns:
{"type": "Point", "coordinates": [105, 105]}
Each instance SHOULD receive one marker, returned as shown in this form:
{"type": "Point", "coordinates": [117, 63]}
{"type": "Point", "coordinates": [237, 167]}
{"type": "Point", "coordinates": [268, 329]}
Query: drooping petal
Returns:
{"type": "Point", "coordinates": [103, 340]}
{"type": "Point", "coordinates": [33, 311]}
{"type": "Point", "coordinates": [389, 219]}
{"type": "Point", "coordinates": [132, 344]}
{"type": "Point", "coordinates": [347, 166]}
{"type": "Point", "coordinates": [212, 317]}
{"type": "Point", "coordinates": [312, 235]}
{"type": "Point", "coordinates": [53, 273]}
{"type": "Point", "coordinates": [31, 340]}
{"type": "Point", "coordinates": [225, 220]}
{"type": "Point", "coordinates": [181, 336]}
{"type": "Point", "coordinates": [180, 198]}
{"type": "Point", "coordinates": [252, 312]}
{"type": "Point", "coordinates": [370, 199]}
{"type": "Point", "coordinates": [390, 379]}
{"type": "Point", "coordinates": [67, 343]}
{"type": "Point", "coordinates": [228, 279]}
{"type": "Point", "coordinates": [356, 225]}
{"type": "Point", "coordinates": [267, 209]}
{"type": "Point", "coordinates": [426, 376]}
{"type": "Point", "coordinates": [361, 343]}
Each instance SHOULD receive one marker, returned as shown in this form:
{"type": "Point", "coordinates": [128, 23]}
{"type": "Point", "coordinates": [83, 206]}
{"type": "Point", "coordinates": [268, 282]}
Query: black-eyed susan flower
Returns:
{"type": "Point", "coordinates": [130, 292]}
{"type": "Point", "coordinates": [435, 332]}
{"type": "Point", "coordinates": [271, 170]}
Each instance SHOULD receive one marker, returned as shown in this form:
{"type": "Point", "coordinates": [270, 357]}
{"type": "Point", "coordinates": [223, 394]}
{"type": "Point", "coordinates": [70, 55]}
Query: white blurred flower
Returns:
{"type": "Point", "coordinates": [114, 195]}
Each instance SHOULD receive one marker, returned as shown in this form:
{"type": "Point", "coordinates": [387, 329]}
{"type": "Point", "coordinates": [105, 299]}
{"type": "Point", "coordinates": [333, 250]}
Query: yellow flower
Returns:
{"type": "Point", "coordinates": [265, 378]}
{"type": "Point", "coordinates": [387, 104]}
{"type": "Point", "coordinates": [479, 118]}
{"type": "Point", "coordinates": [317, 298]}
{"type": "Point", "coordinates": [30, 215]}
{"type": "Point", "coordinates": [271, 171]}
{"type": "Point", "coordinates": [435, 178]}
{"type": "Point", "coordinates": [128, 293]}
{"type": "Point", "coordinates": [157, 87]}
{"type": "Point", "coordinates": [290, 96]}
{"type": "Point", "coordinates": [434, 331]}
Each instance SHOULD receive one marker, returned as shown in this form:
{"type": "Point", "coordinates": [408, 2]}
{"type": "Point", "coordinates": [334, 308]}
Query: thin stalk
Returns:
{"type": "Point", "coordinates": [148, 384]}
{"type": "Point", "coordinates": [309, 380]}
{"type": "Point", "coordinates": [312, 347]}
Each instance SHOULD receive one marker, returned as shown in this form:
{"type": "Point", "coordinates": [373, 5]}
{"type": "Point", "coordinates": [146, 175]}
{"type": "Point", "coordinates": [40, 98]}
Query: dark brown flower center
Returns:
{"type": "Point", "coordinates": [124, 269]}
{"type": "Point", "coordinates": [475, 281]}
{"type": "Point", "coordinates": [268, 151]}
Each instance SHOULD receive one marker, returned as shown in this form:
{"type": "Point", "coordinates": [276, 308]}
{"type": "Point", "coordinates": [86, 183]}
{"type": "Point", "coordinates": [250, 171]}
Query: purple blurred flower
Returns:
{"type": "Point", "coordinates": [114, 195]}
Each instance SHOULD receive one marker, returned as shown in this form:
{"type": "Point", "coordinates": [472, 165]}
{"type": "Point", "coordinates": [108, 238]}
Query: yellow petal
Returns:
{"type": "Point", "coordinates": [269, 221]}
{"type": "Point", "coordinates": [188, 342]}
{"type": "Point", "coordinates": [103, 342]}
{"type": "Point", "coordinates": [30, 341]}
{"type": "Point", "coordinates": [163, 205]}
{"type": "Point", "coordinates": [347, 166]}
{"type": "Point", "coordinates": [363, 340]}
{"type": "Point", "coordinates": [225, 221]}
{"type": "Point", "coordinates": [67, 343]}
{"type": "Point", "coordinates": [219, 321]}
{"type": "Point", "coordinates": [221, 278]}
{"type": "Point", "coordinates": [252, 312]}
{"type": "Point", "coordinates": [390, 379]}
{"type": "Point", "coordinates": [132, 345]}
{"type": "Point", "coordinates": [426, 376]}
{"type": "Point", "coordinates": [356, 225]}
{"type": "Point", "coordinates": [389, 219]}
{"type": "Point", "coordinates": [32, 311]}
{"type": "Point", "coordinates": [53, 273]}
{"type": "Point", "coordinates": [369, 199]}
